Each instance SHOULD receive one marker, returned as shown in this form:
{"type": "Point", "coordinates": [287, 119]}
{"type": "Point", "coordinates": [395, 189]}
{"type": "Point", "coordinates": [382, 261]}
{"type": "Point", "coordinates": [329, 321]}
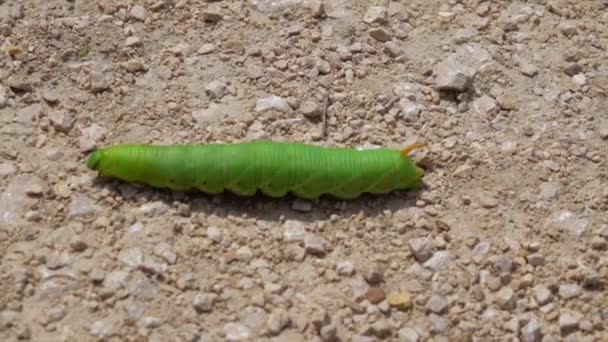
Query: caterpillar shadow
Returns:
{"type": "Point", "coordinates": [264, 207]}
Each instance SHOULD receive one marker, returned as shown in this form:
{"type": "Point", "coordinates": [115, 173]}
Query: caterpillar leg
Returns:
{"type": "Point", "coordinates": [209, 187]}
{"type": "Point", "coordinates": [406, 151]}
{"type": "Point", "coordinates": [305, 195]}
{"type": "Point", "coordinates": [242, 189]}
{"type": "Point", "coordinates": [272, 191]}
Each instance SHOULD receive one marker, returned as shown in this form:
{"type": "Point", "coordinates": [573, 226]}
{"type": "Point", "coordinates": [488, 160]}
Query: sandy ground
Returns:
{"type": "Point", "coordinates": [506, 241]}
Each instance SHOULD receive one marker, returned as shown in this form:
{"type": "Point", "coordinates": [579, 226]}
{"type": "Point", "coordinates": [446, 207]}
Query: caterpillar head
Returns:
{"type": "Point", "coordinates": [94, 160]}
{"type": "Point", "coordinates": [419, 174]}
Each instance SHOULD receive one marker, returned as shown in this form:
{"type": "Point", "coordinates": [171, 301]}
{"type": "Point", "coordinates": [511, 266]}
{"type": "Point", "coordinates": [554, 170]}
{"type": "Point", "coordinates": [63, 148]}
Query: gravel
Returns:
{"type": "Point", "coordinates": [275, 103]}
{"type": "Point", "coordinates": [569, 321]}
{"type": "Point", "coordinates": [236, 332]}
{"type": "Point", "coordinates": [505, 298]}
{"type": "Point", "coordinates": [315, 245]}
{"type": "Point", "coordinates": [532, 331]}
{"type": "Point", "coordinates": [542, 294]}
{"type": "Point", "coordinates": [203, 302]}
{"type": "Point", "coordinates": [408, 335]}
{"type": "Point", "coordinates": [373, 274]}
{"type": "Point", "coordinates": [436, 304]}
{"type": "Point", "coordinates": [422, 248]}
{"type": "Point", "coordinates": [569, 291]}
{"type": "Point", "coordinates": [278, 321]}
{"type": "Point", "coordinates": [505, 240]}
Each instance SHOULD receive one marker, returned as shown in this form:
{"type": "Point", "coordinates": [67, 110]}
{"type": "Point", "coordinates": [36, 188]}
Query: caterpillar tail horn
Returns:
{"type": "Point", "coordinates": [406, 151]}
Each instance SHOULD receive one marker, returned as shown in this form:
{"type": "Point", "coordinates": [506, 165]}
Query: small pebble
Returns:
{"type": "Point", "coordinates": [133, 41]}
{"type": "Point", "coordinates": [91, 136]}
{"type": "Point", "coordinates": [101, 329]}
{"type": "Point", "coordinates": [138, 12]}
{"type": "Point", "coordinates": [319, 319]}
{"type": "Point", "coordinates": [182, 49]}
{"type": "Point", "coordinates": [579, 79]}
{"type": "Point", "coordinates": [542, 294]}
{"type": "Point", "coordinates": [315, 245]}
{"type": "Point", "coordinates": [373, 274]}
{"type": "Point", "coordinates": [273, 103]}
{"type": "Point", "coordinates": [452, 75]}
{"type": "Point", "coordinates": [302, 205]}
{"type": "Point", "coordinates": [77, 244]}
{"type": "Point", "coordinates": [212, 15]}
{"type": "Point", "coordinates": [380, 34]}
{"type": "Point", "coordinates": [485, 105]}
{"type": "Point", "coordinates": [548, 191]}
{"type": "Point", "coordinates": [56, 313]}
{"type": "Point", "coordinates": [573, 68]}
{"type": "Point", "coordinates": [235, 332]}
{"type": "Point", "coordinates": [439, 260]}
{"type": "Point", "coordinates": [19, 83]}
{"type": "Point", "coordinates": [569, 321]}
{"type": "Point", "coordinates": [362, 338]}
{"type": "Point", "coordinates": [7, 169]}
{"type": "Point", "coordinates": [569, 291]}
{"type": "Point", "coordinates": [345, 268]}
{"type": "Point", "coordinates": [392, 49]}
{"type": "Point", "coordinates": [98, 82]}
{"type": "Point", "coordinates": [133, 65]}
{"type": "Point", "coordinates": [381, 329]}
{"type": "Point", "coordinates": [591, 278]}
{"type": "Point", "coordinates": [82, 206]}
{"type": "Point", "coordinates": [531, 332]}
{"type": "Point", "coordinates": [536, 259]}
{"type": "Point", "coordinates": [528, 68]}
{"type": "Point", "coordinates": [214, 234]}
{"type": "Point", "coordinates": [61, 120]}
{"type": "Point", "coordinates": [400, 300]}
{"type": "Point", "coordinates": [487, 200]}
{"type": "Point", "coordinates": [132, 257]}
{"type": "Point", "coordinates": [506, 102]}
{"type": "Point", "coordinates": [375, 14]}
{"type": "Point", "coordinates": [244, 254]}
{"type": "Point", "coordinates": [97, 275]}
{"type": "Point", "coordinates": [216, 89]}
{"type": "Point", "coordinates": [505, 298]}
{"type": "Point", "coordinates": [164, 251]}
{"type": "Point", "coordinates": [294, 231]}
{"type": "Point", "coordinates": [153, 209]}
{"type": "Point", "coordinates": [408, 334]}
{"type": "Point", "coordinates": [410, 111]}
{"type": "Point", "coordinates": [586, 325]}
{"type": "Point", "coordinates": [438, 324]}
{"type": "Point", "coordinates": [375, 295]}
{"type": "Point", "coordinates": [329, 333]}
{"type": "Point", "coordinates": [149, 322]}
{"type": "Point", "coordinates": [569, 222]}
{"type": "Point", "coordinates": [203, 302]}
{"type": "Point", "coordinates": [206, 49]}
{"type": "Point", "coordinates": [422, 248]}
{"type": "Point", "coordinates": [436, 304]}
{"type": "Point", "coordinates": [278, 321]}
{"type": "Point", "coordinates": [311, 109]}
{"type": "Point", "coordinates": [568, 27]}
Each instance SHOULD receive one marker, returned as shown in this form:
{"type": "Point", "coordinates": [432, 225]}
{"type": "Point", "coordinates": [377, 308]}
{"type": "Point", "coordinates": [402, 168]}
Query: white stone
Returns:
{"type": "Point", "coordinates": [273, 103]}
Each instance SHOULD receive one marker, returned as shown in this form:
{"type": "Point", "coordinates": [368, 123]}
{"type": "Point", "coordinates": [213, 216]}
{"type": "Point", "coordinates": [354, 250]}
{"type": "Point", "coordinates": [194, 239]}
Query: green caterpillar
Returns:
{"type": "Point", "coordinates": [274, 168]}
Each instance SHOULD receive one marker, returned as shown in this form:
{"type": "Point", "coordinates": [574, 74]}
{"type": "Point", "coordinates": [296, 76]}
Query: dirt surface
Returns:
{"type": "Point", "coordinates": [506, 242]}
